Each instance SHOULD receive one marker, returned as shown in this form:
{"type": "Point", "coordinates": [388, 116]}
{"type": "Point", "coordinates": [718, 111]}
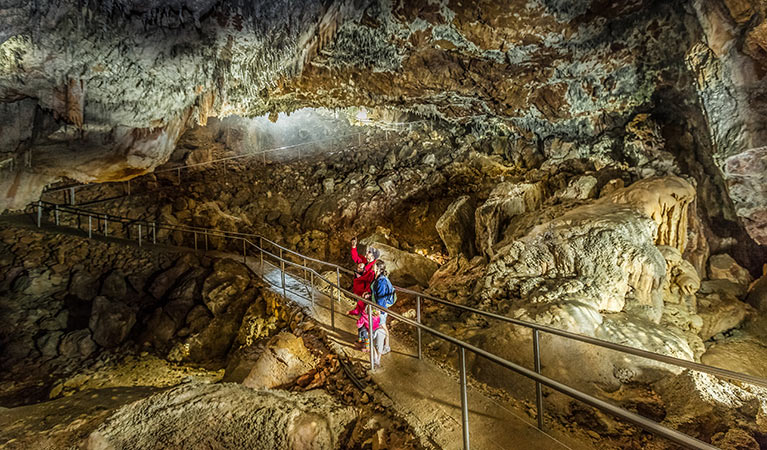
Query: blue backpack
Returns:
{"type": "Point", "coordinates": [391, 299]}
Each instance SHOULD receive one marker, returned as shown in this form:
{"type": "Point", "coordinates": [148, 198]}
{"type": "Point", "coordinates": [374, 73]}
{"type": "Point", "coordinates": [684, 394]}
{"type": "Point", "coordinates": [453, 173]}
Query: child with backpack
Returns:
{"type": "Point", "coordinates": [363, 330]}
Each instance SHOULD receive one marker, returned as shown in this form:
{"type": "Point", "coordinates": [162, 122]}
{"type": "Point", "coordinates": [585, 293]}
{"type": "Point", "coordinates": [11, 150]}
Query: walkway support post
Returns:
{"type": "Point", "coordinates": [464, 400]}
{"type": "Point", "coordinates": [311, 286]}
{"type": "Point", "coordinates": [282, 275]}
{"type": "Point", "coordinates": [206, 240]}
{"type": "Point", "coordinates": [338, 299]}
{"type": "Point", "coordinates": [195, 240]}
{"type": "Point", "coordinates": [90, 226]}
{"type": "Point", "coordinates": [261, 247]}
{"type": "Point", "coordinates": [244, 257]}
{"type": "Point", "coordinates": [106, 221]}
{"type": "Point", "coordinates": [418, 319]}
{"type": "Point", "coordinates": [154, 233]}
{"type": "Point", "coordinates": [139, 235]}
{"type": "Point", "coordinates": [538, 388]}
{"type": "Point", "coordinates": [56, 215]}
{"type": "Point", "coordinates": [39, 213]}
{"type": "Point", "coordinates": [371, 341]}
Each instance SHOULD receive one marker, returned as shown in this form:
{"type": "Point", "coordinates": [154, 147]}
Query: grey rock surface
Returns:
{"type": "Point", "coordinates": [226, 415]}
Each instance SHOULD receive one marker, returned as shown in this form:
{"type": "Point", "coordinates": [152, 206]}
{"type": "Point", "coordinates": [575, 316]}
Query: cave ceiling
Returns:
{"type": "Point", "coordinates": [102, 91]}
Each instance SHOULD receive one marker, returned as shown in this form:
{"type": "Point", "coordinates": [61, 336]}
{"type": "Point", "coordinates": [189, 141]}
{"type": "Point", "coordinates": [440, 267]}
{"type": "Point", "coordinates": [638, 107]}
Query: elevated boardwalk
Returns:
{"type": "Point", "coordinates": [425, 394]}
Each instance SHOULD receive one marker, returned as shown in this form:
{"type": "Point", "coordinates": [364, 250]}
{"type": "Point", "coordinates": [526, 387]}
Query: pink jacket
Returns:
{"type": "Point", "coordinates": [363, 321]}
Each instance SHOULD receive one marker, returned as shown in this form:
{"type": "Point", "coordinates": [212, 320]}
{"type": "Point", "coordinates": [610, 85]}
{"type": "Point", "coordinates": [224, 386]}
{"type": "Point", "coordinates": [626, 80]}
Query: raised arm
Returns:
{"type": "Point", "coordinates": [355, 256]}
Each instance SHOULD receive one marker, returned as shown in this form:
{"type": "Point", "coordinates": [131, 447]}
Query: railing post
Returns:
{"type": "Point", "coordinates": [128, 184]}
{"type": "Point", "coordinates": [418, 319]}
{"type": "Point", "coordinates": [154, 232]}
{"type": "Point", "coordinates": [359, 139]}
{"type": "Point", "coordinates": [106, 221]}
{"type": "Point", "coordinates": [282, 276]}
{"type": "Point", "coordinates": [305, 277]}
{"type": "Point", "coordinates": [244, 255]}
{"type": "Point", "coordinates": [261, 253]}
{"type": "Point", "coordinates": [464, 400]}
{"type": "Point", "coordinates": [311, 287]}
{"type": "Point", "coordinates": [370, 337]}
{"type": "Point", "coordinates": [205, 233]}
{"type": "Point", "coordinates": [139, 235]}
{"type": "Point", "coordinates": [338, 299]}
{"type": "Point", "coordinates": [90, 226]}
{"type": "Point", "coordinates": [179, 175]}
{"type": "Point", "coordinates": [56, 215]}
{"type": "Point", "coordinates": [39, 213]}
{"type": "Point", "coordinates": [72, 196]}
{"type": "Point", "coordinates": [538, 388]}
{"type": "Point", "coordinates": [195, 240]}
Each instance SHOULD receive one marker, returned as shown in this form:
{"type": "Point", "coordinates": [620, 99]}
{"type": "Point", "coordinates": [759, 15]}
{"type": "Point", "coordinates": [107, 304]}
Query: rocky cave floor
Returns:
{"type": "Point", "coordinates": [116, 324]}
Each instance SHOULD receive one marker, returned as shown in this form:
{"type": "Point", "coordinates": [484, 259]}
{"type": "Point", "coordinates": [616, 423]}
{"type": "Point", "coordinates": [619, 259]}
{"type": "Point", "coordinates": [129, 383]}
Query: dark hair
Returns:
{"type": "Point", "coordinates": [382, 268]}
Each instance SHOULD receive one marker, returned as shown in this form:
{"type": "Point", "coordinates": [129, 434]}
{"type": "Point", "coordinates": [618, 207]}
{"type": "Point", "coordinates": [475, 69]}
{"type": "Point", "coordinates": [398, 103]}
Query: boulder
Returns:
{"type": "Point", "coordinates": [48, 344]}
{"type": "Point", "coordinates": [227, 415]}
{"type": "Point", "coordinates": [722, 287]}
{"type": "Point", "coordinates": [506, 201]}
{"type": "Point", "coordinates": [757, 296]}
{"type": "Point", "coordinates": [225, 284]}
{"type": "Point", "coordinates": [111, 321]}
{"type": "Point", "coordinates": [165, 280]}
{"type": "Point", "coordinates": [721, 313]}
{"type": "Point", "coordinates": [114, 286]}
{"type": "Point", "coordinates": [699, 401]}
{"type": "Point", "coordinates": [77, 344]}
{"type": "Point", "coordinates": [215, 338]}
{"type": "Point", "coordinates": [160, 328]}
{"type": "Point", "coordinates": [284, 359]}
{"type": "Point", "coordinates": [83, 285]}
{"type": "Point", "coordinates": [580, 188]}
{"type": "Point", "coordinates": [456, 227]}
{"type": "Point", "coordinates": [743, 355]}
{"type": "Point", "coordinates": [198, 318]}
{"type": "Point", "coordinates": [735, 439]}
{"type": "Point", "coordinates": [724, 267]}
{"type": "Point", "coordinates": [405, 267]}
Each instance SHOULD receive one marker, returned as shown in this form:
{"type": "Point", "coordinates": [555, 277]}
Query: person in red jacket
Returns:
{"type": "Point", "coordinates": [364, 275]}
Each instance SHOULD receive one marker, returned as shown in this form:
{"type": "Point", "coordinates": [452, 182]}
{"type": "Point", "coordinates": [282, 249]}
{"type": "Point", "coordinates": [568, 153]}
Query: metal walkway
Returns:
{"type": "Point", "coordinates": [292, 266]}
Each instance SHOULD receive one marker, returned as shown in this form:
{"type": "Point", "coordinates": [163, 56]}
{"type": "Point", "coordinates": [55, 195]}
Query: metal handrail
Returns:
{"type": "Point", "coordinates": [601, 343]}
{"type": "Point", "coordinates": [712, 370]}
{"type": "Point", "coordinates": [535, 375]}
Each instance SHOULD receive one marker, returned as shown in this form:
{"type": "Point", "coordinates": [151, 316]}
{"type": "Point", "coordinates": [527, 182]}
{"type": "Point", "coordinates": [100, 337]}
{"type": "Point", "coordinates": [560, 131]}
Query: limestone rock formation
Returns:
{"type": "Point", "coordinates": [285, 359]}
{"type": "Point", "coordinates": [110, 321]}
{"type": "Point", "coordinates": [506, 201]}
{"type": "Point", "coordinates": [723, 267]}
{"type": "Point", "coordinates": [757, 296]}
{"type": "Point", "coordinates": [405, 267]}
{"type": "Point", "coordinates": [190, 416]}
{"type": "Point", "coordinates": [225, 285]}
{"type": "Point", "coordinates": [665, 200]}
{"type": "Point", "coordinates": [456, 227]}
